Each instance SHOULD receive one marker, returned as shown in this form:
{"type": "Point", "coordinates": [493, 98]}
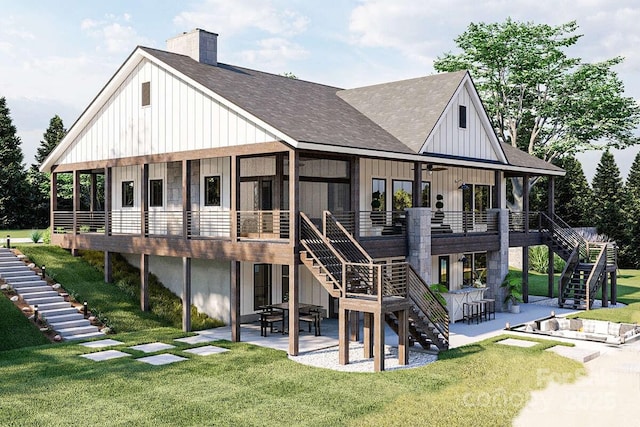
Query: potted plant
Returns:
{"type": "Point", "coordinates": [377, 216]}
{"type": "Point", "coordinates": [512, 296]}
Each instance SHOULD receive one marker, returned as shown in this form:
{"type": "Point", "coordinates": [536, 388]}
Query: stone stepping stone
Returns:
{"type": "Point", "coordinates": [162, 359]}
{"type": "Point", "coordinates": [582, 355]}
{"type": "Point", "coordinates": [100, 343]}
{"type": "Point", "coordinates": [206, 350]}
{"type": "Point", "coordinates": [196, 339]}
{"type": "Point", "coordinates": [152, 347]}
{"type": "Point", "coordinates": [105, 355]}
{"type": "Point", "coordinates": [517, 342]}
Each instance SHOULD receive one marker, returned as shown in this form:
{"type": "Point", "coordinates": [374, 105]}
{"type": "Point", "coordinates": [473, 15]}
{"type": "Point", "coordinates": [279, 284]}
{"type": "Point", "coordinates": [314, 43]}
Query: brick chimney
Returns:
{"type": "Point", "coordinates": [199, 44]}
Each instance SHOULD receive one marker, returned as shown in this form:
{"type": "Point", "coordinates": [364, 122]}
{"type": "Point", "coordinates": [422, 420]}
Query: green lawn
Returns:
{"type": "Point", "coordinates": [15, 330]}
{"type": "Point", "coordinates": [15, 234]}
{"type": "Point", "coordinates": [254, 386]}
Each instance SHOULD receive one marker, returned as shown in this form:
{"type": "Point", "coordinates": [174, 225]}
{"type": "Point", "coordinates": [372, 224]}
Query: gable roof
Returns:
{"type": "Point", "coordinates": [519, 158]}
{"type": "Point", "coordinates": [408, 109]}
{"type": "Point", "coordinates": [307, 112]}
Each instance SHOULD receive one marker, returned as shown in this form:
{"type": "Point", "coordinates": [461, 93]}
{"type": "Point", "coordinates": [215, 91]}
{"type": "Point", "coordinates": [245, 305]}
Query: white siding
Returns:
{"type": "Point", "coordinates": [180, 118]}
{"type": "Point", "coordinates": [451, 140]}
{"type": "Point", "coordinates": [220, 166]}
{"type": "Point", "coordinates": [125, 219]}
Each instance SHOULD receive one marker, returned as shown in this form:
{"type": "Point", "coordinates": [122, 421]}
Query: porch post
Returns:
{"type": "Point", "coordinates": [354, 172]}
{"type": "Point", "coordinates": [235, 197]}
{"type": "Point", "coordinates": [368, 335]}
{"type": "Point", "coordinates": [343, 336]}
{"type": "Point", "coordinates": [107, 200]}
{"type": "Point", "coordinates": [417, 185]}
{"type": "Point", "coordinates": [354, 321]}
{"type": "Point", "coordinates": [108, 269]}
{"type": "Point", "coordinates": [403, 336]}
{"type": "Point", "coordinates": [525, 249]}
{"type": "Point", "coordinates": [144, 282]}
{"type": "Point", "coordinates": [419, 241]}
{"type": "Point", "coordinates": [378, 341]}
{"type": "Point", "coordinates": [498, 261]}
{"type": "Point", "coordinates": [235, 301]}
{"type": "Point", "coordinates": [551, 212]}
{"type": "Point", "coordinates": [53, 197]}
{"type": "Point", "coordinates": [186, 198]}
{"type": "Point", "coordinates": [614, 287]}
{"type": "Point", "coordinates": [186, 294]}
{"type": "Point", "coordinates": [93, 192]}
{"type": "Point", "coordinates": [144, 199]}
{"type": "Point", "coordinates": [76, 208]}
{"type": "Point", "coordinates": [294, 238]}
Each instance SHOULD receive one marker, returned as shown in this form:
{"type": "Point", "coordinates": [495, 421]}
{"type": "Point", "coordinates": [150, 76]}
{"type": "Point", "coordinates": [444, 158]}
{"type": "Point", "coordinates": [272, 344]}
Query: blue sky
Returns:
{"type": "Point", "coordinates": [56, 56]}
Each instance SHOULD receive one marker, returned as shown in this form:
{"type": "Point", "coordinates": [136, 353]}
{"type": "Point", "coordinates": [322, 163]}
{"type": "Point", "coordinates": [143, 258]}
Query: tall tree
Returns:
{"type": "Point", "coordinates": [632, 249]}
{"type": "Point", "coordinates": [609, 199]}
{"type": "Point", "coordinates": [538, 98]}
{"type": "Point", "coordinates": [39, 182]}
{"type": "Point", "coordinates": [12, 175]}
{"type": "Point", "coordinates": [573, 195]}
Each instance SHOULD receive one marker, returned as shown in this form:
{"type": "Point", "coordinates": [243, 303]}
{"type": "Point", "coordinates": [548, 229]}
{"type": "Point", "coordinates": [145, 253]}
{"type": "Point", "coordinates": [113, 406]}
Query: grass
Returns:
{"type": "Point", "coordinates": [16, 234]}
{"type": "Point", "coordinates": [247, 386]}
{"type": "Point", "coordinates": [16, 330]}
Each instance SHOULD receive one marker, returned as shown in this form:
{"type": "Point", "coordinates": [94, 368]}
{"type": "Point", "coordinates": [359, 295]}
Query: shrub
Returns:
{"type": "Point", "coordinates": [46, 236]}
{"type": "Point", "coordinates": [539, 260]}
{"type": "Point", "coordinates": [36, 235]}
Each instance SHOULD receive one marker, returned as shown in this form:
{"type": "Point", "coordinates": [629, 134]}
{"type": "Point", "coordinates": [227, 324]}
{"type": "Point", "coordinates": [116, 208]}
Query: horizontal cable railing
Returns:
{"type": "Point", "coordinates": [209, 224]}
{"type": "Point", "coordinates": [62, 222]}
{"type": "Point", "coordinates": [343, 240]}
{"type": "Point", "coordinates": [518, 220]}
{"type": "Point", "coordinates": [90, 222]}
{"type": "Point", "coordinates": [263, 224]}
{"type": "Point", "coordinates": [428, 302]}
{"type": "Point", "coordinates": [125, 222]}
{"type": "Point", "coordinates": [164, 223]}
{"type": "Point", "coordinates": [394, 279]}
{"type": "Point", "coordinates": [464, 222]}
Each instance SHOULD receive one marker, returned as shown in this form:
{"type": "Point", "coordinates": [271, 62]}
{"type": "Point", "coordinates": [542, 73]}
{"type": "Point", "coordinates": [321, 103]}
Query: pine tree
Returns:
{"type": "Point", "coordinates": [632, 249]}
{"type": "Point", "coordinates": [573, 195]}
{"type": "Point", "coordinates": [609, 200]}
{"type": "Point", "coordinates": [12, 176]}
{"type": "Point", "coordinates": [39, 182]}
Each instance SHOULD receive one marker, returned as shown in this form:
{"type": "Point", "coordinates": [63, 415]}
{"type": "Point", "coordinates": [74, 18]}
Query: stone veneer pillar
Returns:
{"type": "Point", "coordinates": [498, 261]}
{"type": "Point", "coordinates": [419, 240]}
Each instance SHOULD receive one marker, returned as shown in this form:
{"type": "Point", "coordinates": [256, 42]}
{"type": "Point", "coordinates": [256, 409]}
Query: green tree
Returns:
{"type": "Point", "coordinates": [608, 201]}
{"type": "Point", "coordinates": [12, 176]}
{"type": "Point", "coordinates": [537, 97]}
{"type": "Point", "coordinates": [573, 195]}
{"type": "Point", "coordinates": [40, 182]}
{"type": "Point", "coordinates": [632, 249]}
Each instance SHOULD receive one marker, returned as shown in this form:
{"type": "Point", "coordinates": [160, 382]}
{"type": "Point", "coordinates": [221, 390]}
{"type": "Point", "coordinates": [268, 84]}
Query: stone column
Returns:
{"type": "Point", "coordinates": [498, 261]}
{"type": "Point", "coordinates": [419, 241]}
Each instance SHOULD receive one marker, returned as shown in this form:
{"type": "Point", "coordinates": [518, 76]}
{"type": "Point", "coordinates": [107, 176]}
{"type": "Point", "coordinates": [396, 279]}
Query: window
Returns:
{"type": "Point", "coordinates": [474, 268]}
{"type": "Point", "coordinates": [155, 193]}
{"type": "Point", "coordinates": [462, 116]}
{"type": "Point", "coordinates": [127, 194]}
{"type": "Point", "coordinates": [212, 191]}
{"type": "Point", "coordinates": [443, 271]}
{"type": "Point", "coordinates": [402, 197]}
{"type": "Point", "coordinates": [261, 285]}
{"type": "Point", "coordinates": [426, 194]}
{"type": "Point", "coordinates": [146, 94]}
{"type": "Point", "coordinates": [378, 192]}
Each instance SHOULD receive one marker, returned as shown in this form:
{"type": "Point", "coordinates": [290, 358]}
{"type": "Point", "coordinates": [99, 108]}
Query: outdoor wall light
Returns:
{"type": "Point", "coordinates": [463, 185]}
{"type": "Point", "coordinates": [463, 259]}
{"type": "Point", "coordinates": [85, 309]}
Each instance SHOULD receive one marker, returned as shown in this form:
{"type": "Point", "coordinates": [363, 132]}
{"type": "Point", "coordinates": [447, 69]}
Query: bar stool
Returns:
{"type": "Point", "coordinates": [488, 308]}
{"type": "Point", "coordinates": [470, 311]}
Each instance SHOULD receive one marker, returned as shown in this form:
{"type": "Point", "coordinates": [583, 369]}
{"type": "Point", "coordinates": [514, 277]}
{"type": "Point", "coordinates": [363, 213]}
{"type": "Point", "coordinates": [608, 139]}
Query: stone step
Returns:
{"type": "Point", "coordinates": [73, 315]}
{"type": "Point", "coordinates": [27, 283]}
{"type": "Point", "coordinates": [33, 289]}
{"type": "Point", "coordinates": [19, 277]}
{"type": "Point", "coordinates": [67, 332]}
{"type": "Point", "coordinates": [46, 307]}
{"type": "Point", "coordinates": [84, 336]}
{"type": "Point", "coordinates": [37, 294]}
{"type": "Point", "coordinates": [57, 312]}
{"type": "Point", "coordinates": [58, 326]}
{"type": "Point", "coordinates": [8, 262]}
{"type": "Point", "coordinates": [45, 300]}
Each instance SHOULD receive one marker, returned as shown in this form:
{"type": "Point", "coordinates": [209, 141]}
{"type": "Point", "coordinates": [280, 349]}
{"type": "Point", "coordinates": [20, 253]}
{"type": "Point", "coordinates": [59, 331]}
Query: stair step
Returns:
{"type": "Point", "coordinates": [73, 315]}
{"type": "Point", "coordinates": [46, 307]}
{"type": "Point", "coordinates": [67, 324]}
{"type": "Point", "coordinates": [11, 264]}
{"type": "Point", "coordinates": [45, 300]}
{"type": "Point", "coordinates": [17, 273]}
{"type": "Point", "coordinates": [84, 336]}
{"type": "Point", "coordinates": [18, 279]}
{"type": "Point", "coordinates": [38, 294]}
{"type": "Point", "coordinates": [65, 333]}
{"type": "Point", "coordinates": [27, 284]}
{"type": "Point", "coordinates": [33, 289]}
{"type": "Point", "coordinates": [62, 311]}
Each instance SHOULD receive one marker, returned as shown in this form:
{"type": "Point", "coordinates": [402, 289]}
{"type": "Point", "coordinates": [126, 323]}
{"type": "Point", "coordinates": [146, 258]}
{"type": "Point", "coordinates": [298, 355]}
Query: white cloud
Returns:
{"type": "Point", "coordinates": [113, 36]}
{"type": "Point", "coordinates": [231, 17]}
{"type": "Point", "coordinates": [274, 52]}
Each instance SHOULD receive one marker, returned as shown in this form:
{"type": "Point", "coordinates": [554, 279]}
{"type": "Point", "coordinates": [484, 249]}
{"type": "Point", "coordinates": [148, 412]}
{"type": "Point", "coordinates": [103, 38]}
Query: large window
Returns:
{"type": "Point", "coordinates": [155, 193]}
{"type": "Point", "coordinates": [402, 194]}
{"type": "Point", "coordinates": [261, 285]}
{"type": "Point", "coordinates": [378, 194]}
{"type": "Point", "coordinates": [425, 200]}
{"type": "Point", "coordinates": [443, 271]}
{"type": "Point", "coordinates": [212, 191]}
{"type": "Point", "coordinates": [127, 194]}
{"type": "Point", "coordinates": [474, 269]}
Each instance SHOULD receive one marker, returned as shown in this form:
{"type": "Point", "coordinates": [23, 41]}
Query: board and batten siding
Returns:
{"type": "Point", "coordinates": [219, 166]}
{"type": "Point", "coordinates": [180, 118]}
{"type": "Point", "coordinates": [449, 139]}
{"type": "Point", "coordinates": [442, 182]}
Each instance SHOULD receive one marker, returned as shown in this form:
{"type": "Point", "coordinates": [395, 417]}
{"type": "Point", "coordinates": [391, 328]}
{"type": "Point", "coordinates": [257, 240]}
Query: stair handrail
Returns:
{"type": "Point", "coordinates": [341, 283]}
{"type": "Point", "coordinates": [566, 234]}
{"type": "Point", "coordinates": [567, 272]}
{"type": "Point", "coordinates": [427, 301]}
{"type": "Point", "coordinates": [329, 218]}
{"type": "Point", "coordinates": [595, 276]}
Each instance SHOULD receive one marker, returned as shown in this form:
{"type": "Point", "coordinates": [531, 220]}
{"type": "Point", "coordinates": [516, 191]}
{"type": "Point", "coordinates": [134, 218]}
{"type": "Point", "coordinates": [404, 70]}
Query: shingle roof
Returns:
{"type": "Point", "coordinates": [407, 109]}
{"type": "Point", "coordinates": [517, 157]}
{"type": "Point", "coordinates": [307, 112]}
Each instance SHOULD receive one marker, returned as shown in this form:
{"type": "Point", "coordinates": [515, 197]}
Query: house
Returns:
{"type": "Point", "coordinates": [240, 188]}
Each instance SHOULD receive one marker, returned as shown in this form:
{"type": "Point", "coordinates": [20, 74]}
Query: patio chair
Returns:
{"type": "Point", "coordinates": [312, 317]}
{"type": "Point", "coordinates": [268, 318]}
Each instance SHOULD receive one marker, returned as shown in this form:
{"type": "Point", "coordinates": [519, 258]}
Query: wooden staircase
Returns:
{"type": "Point", "coordinates": [586, 266]}
{"type": "Point", "coordinates": [346, 270]}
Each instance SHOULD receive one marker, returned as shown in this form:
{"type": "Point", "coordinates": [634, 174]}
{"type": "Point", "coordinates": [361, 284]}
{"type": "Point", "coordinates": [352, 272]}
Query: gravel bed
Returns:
{"type": "Point", "coordinates": [328, 358]}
